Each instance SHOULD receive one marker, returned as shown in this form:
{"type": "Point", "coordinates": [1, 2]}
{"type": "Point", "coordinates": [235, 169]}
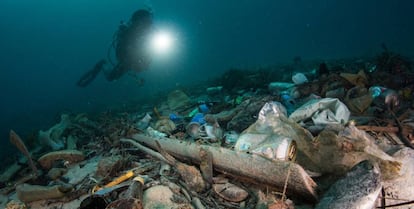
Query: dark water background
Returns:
{"type": "Point", "coordinates": [45, 46]}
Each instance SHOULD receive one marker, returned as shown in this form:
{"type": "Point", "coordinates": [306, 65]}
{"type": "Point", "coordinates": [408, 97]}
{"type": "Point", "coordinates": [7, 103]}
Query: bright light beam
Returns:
{"type": "Point", "coordinates": [162, 42]}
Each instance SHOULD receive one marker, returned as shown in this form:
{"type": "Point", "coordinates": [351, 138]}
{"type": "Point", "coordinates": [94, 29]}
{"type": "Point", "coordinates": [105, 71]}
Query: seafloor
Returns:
{"type": "Point", "coordinates": [306, 134]}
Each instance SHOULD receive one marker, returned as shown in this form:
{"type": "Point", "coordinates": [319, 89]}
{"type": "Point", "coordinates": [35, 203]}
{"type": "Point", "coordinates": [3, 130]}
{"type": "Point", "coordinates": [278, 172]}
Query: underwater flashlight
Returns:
{"type": "Point", "coordinates": [162, 42]}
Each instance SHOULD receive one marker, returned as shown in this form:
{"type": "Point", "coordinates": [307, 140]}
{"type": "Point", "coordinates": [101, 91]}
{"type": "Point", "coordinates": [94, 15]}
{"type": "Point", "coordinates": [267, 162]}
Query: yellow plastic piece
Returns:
{"type": "Point", "coordinates": [116, 181]}
{"type": "Point", "coordinates": [120, 179]}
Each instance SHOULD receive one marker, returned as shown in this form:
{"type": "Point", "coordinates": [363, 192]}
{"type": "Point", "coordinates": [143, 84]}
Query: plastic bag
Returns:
{"type": "Point", "coordinates": [322, 111]}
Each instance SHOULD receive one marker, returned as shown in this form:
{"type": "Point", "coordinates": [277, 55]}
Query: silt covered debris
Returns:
{"type": "Point", "coordinates": [307, 134]}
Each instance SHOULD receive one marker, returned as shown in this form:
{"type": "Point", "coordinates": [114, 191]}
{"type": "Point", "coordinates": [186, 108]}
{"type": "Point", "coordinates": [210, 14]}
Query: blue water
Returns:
{"type": "Point", "coordinates": [46, 45]}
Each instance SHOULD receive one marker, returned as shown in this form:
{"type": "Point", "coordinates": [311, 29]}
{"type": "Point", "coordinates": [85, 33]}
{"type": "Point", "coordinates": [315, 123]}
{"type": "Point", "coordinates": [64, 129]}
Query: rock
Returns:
{"type": "Point", "coordinates": [71, 156]}
{"type": "Point", "coordinates": [230, 192]}
{"type": "Point", "coordinates": [359, 188]}
{"type": "Point", "coordinates": [402, 187]}
{"type": "Point", "coordinates": [15, 205]}
{"type": "Point", "coordinates": [55, 173]}
{"type": "Point", "coordinates": [160, 197]}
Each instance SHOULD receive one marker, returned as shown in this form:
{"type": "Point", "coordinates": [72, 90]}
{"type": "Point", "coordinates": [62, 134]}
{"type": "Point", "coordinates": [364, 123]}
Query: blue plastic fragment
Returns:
{"type": "Point", "coordinates": [203, 108]}
{"type": "Point", "coordinates": [175, 118]}
{"type": "Point", "coordinates": [198, 118]}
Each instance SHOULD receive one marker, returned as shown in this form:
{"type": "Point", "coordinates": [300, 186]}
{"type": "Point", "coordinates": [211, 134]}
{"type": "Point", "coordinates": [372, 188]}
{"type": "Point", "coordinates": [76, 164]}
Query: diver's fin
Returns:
{"type": "Point", "coordinates": [89, 76]}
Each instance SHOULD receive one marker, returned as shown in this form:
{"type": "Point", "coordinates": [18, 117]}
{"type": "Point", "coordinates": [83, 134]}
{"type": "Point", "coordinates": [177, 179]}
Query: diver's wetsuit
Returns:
{"type": "Point", "coordinates": [131, 50]}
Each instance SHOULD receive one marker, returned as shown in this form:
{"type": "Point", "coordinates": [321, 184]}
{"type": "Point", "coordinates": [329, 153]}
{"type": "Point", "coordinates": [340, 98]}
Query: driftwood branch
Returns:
{"type": "Point", "coordinates": [145, 149]}
{"type": "Point", "coordinates": [390, 129]}
{"type": "Point", "coordinates": [18, 142]}
{"type": "Point", "coordinates": [252, 168]}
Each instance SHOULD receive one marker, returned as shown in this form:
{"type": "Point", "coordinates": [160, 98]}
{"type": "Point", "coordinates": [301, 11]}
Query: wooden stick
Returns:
{"type": "Point", "coordinates": [252, 168]}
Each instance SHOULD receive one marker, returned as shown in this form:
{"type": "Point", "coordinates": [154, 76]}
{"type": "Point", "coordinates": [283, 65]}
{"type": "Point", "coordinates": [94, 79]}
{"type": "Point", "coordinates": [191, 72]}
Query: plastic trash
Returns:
{"type": "Point", "coordinates": [271, 109]}
{"type": "Point", "coordinates": [271, 146]}
{"type": "Point", "coordinates": [193, 112]}
{"type": "Point", "coordinates": [193, 130]}
{"type": "Point", "coordinates": [277, 87]}
{"type": "Point", "coordinates": [267, 136]}
{"type": "Point", "coordinates": [144, 122]}
{"type": "Point", "coordinates": [376, 91]}
{"type": "Point", "coordinates": [322, 111]}
{"type": "Point", "coordinates": [116, 181]}
{"type": "Point", "coordinates": [175, 118]}
{"type": "Point", "coordinates": [248, 141]}
{"type": "Point", "coordinates": [214, 133]}
{"type": "Point", "coordinates": [154, 133]}
{"type": "Point", "coordinates": [214, 90]}
{"type": "Point", "coordinates": [299, 78]}
{"type": "Point", "coordinates": [198, 118]}
{"type": "Point", "coordinates": [203, 108]}
{"type": "Point", "coordinates": [358, 99]}
{"type": "Point", "coordinates": [277, 147]}
{"type": "Point", "coordinates": [384, 97]}
{"type": "Point", "coordinates": [359, 79]}
{"type": "Point", "coordinates": [178, 101]}
{"type": "Point", "coordinates": [230, 137]}
{"type": "Point", "coordinates": [288, 102]}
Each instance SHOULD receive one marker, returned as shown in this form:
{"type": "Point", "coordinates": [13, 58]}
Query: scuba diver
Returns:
{"type": "Point", "coordinates": [130, 44]}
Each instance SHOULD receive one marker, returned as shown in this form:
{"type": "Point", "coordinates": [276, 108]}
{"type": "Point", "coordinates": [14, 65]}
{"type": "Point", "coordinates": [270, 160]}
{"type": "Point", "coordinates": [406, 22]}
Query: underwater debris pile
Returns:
{"type": "Point", "coordinates": [255, 140]}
